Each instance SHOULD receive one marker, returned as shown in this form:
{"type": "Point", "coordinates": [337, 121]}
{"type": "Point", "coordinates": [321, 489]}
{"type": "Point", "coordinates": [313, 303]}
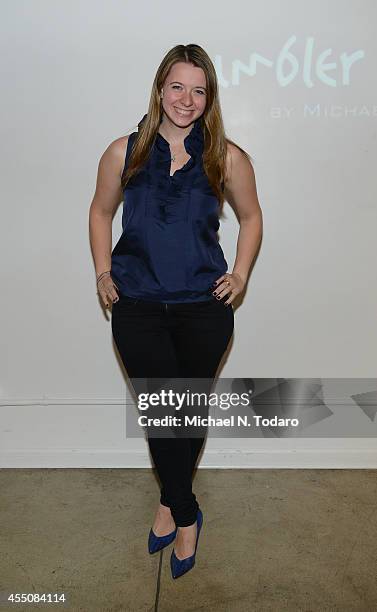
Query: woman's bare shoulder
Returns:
{"type": "Point", "coordinates": [236, 156]}
{"type": "Point", "coordinates": [235, 151]}
{"type": "Point", "coordinates": [117, 149]}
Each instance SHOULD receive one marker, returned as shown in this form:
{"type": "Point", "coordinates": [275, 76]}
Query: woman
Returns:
{"type": "Point", "coordinates": [166, 278]}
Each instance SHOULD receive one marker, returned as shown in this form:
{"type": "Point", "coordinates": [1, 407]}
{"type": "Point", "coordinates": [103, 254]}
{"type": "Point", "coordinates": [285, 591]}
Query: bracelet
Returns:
{"type": "Point", "coordinates": [102, 275]}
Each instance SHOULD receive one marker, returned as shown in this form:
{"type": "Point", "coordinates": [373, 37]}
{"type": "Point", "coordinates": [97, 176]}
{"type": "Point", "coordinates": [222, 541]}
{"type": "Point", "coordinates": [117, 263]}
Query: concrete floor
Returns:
{"type": "Point", "coordinates": [272, 540]}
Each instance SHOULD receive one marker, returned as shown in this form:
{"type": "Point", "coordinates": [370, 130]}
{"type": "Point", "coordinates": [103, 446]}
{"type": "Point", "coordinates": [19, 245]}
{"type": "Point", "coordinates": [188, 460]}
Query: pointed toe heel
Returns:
{"type": "Point", "coordinates": [182, 566]}
{"type": "Point", "coordinates": [156, 543]}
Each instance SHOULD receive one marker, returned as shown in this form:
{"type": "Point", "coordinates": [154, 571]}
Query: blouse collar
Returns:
{"type": "Point", "coordinates": [193, 143]}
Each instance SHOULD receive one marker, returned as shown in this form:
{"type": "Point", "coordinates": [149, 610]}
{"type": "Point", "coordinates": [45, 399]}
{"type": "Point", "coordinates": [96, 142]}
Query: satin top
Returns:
{"type": "Point", "coordinates": [168, 250]}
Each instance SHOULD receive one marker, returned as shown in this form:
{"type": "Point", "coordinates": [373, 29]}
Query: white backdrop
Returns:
{"type": "Point", "coordinates": [298, 92]}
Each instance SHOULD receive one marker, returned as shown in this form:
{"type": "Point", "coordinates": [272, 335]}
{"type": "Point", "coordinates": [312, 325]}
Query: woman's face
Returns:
{"type": "Point", "coordinates": [185, 97]}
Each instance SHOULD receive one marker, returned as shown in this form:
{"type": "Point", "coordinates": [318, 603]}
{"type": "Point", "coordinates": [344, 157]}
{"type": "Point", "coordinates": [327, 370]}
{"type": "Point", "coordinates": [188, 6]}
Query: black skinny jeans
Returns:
{"type": "Point", "coordinates": [185, 340]}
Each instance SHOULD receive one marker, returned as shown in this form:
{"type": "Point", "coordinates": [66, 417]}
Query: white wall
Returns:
{"type": "Point", "coordinates": [77, 75]}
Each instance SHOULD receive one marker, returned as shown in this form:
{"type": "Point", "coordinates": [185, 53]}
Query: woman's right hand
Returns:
{"type": "Point", "coordinates": [107, 290]}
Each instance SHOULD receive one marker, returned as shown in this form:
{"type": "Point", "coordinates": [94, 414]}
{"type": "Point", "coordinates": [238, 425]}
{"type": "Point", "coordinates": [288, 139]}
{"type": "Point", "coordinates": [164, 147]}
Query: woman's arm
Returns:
{"type": "Point", "coordinates": [241, 193]}
{"type": "Point", "coordinates": [107, 197]}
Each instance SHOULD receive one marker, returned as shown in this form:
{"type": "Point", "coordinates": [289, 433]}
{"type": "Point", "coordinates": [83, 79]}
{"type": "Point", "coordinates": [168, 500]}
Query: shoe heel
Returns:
{"type": "Point", "coordinates": [182, 566]}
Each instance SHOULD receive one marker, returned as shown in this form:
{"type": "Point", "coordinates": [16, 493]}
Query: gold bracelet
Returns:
{"type": "Point", "coordinates": [103, 274]}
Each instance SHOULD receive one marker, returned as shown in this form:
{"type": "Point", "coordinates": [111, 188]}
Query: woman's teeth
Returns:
{"type": "Point", "coordinates": [181, 112]}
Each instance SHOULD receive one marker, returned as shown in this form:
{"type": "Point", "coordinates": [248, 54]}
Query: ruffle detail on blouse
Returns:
{"type": "Point", "coordinates": [194, 141]}
{"type": "Point", "coordinates": [169, 201]}
{"type": "Point", "coordinates": [169, 206]}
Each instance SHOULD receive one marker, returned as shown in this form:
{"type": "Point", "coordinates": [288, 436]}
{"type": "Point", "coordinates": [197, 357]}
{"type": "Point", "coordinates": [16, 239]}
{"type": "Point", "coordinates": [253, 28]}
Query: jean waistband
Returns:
{"type": "Point", "coordinates": [176, 305]}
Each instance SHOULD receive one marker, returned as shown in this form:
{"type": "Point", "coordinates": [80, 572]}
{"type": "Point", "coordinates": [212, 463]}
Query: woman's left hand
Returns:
{"type": "Point", "coordinates": [229, 285]}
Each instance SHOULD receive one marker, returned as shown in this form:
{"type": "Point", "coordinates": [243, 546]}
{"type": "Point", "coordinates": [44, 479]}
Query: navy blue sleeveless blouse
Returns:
{"type": "Point", "coordinates": [168, 250]}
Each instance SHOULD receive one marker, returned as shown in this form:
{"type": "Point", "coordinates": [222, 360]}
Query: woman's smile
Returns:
{"type": "Point", "coordinates": [180, 111]}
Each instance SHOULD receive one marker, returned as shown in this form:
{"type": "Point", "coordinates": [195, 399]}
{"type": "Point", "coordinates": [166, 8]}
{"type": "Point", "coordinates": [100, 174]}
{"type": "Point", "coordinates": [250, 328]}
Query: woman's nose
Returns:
{"type": "Point", "coordinates": [187, 98]}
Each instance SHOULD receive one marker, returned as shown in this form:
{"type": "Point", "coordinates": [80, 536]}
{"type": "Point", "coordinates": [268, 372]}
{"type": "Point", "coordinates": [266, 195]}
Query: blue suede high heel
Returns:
{"type": "Point", "coordinates": [182, 566]}
{"type": "Point", "coordinates": [156, 543]}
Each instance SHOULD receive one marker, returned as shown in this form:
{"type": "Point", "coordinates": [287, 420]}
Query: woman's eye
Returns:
{"type": "Point", "coordinates": [198, 90]}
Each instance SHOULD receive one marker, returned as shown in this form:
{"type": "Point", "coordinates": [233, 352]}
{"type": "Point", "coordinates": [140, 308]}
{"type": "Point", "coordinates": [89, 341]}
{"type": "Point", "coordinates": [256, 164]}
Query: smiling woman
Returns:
{"type": "Point", "coordinates": [184, 95]}
{"type": "Point", "coordinates": [167, 276]}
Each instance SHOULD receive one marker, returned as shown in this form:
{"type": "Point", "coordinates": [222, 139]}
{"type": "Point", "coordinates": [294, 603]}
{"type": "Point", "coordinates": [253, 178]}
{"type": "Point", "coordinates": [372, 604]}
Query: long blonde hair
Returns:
{"type": "Point", "coordinates": [215, 140]}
